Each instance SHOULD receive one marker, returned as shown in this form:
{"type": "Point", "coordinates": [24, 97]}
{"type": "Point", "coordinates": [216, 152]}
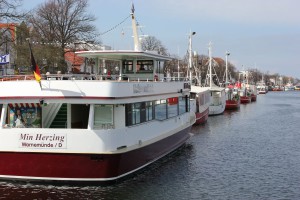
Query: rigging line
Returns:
{"type": "Point", "coordinates": [103, 33]}
{"type": "Point", "coordinates": [139, 26]}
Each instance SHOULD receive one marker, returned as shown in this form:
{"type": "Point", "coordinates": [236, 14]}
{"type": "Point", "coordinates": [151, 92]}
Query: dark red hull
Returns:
{"type": "Point", "coordinates": [253, 97]}
{"type": "Point", "coordinates": [245, 99]}
{"type": "Point", "coordinates": [85, 167]}
{"type": "Point", "coordinates": [232, 104]}
{"type": "Point", "coordinates": [201, 118]}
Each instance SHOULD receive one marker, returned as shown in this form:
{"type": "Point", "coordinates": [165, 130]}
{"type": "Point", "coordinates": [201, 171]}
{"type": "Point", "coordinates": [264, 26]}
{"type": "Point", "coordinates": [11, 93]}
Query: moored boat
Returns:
{"type": "Point", "coordinates": [277, 88]}
{"type": "Point", "coordinates": [79, 128]}
{"type": "Point", "coordinates": [289, 87]}
{"type": "Point", "coordinates": [261, 89]}
{"type": "Point", "coordinates": [253, 92]}
{"type": "Point", "coordinates": [218, 100]}
{"type": "Point", "coordinates": [218, 96]}
{"type": "Point", "coordinates": [253, 97]}
{"type": "Point", "coordinates": [245, 95]}
{"type": "Point", "coordinates": [232, 96]}
{"type": "Point", "coordinates": [232, 99]}
{"type": "Point", "coordinates": [201, 95]}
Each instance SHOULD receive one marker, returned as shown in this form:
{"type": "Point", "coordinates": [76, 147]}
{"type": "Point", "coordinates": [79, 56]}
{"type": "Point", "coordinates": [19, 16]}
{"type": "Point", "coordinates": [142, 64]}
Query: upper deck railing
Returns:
{"type": "Point", "coordinates": [93, 77]}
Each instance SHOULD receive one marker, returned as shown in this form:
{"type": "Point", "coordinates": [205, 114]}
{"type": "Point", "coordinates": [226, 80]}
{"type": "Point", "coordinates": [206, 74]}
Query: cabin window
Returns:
{"type": "Point", "coordinates": [24, 115]}
{"type": "Point", "coordinates": [193, 95]}
{"type": "Point", "coordinates": [80, 115]}
{"type": "Point", "coordinates": [161, 109]}
{"type": "Point", "coordinates": [103, 117]}
{"type": "Point", "coordinates": [172, 107]}
{"type": "Point", "coordinates": [149, 111]}
{"type": "Point", "coordinates": [137, 113]}
{"type": "Point", "coordinates": [207, 98]}
{"type": "Point", "coordinates": [128, 114]}
{"type": "Point", "coordinates": [128, 65]}
{"type": "Point", "coordinates": [201, 99]}
{"type": "Point", "coordinates": [184, 104]}
{"type": "Point", "coordinates": [144, 66]}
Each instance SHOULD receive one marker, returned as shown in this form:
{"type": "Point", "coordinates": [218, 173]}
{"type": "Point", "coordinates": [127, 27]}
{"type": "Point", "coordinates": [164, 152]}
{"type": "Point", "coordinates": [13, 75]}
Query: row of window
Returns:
{"type": "Point", "coordinates": [141, 112]}
{"type": "Point", "coordinates": [141, 66]}
{"type": "Point", "coordinates": [135, 113]}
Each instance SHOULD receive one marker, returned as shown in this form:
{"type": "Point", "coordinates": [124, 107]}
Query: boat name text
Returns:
{"type": "Point", "coordinates": [142, 88]}
{"type": "Point", "coordinates": [39, 140]}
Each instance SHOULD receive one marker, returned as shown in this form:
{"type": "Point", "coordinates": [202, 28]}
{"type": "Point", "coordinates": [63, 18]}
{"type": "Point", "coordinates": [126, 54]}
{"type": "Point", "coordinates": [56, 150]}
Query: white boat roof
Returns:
{"type": "Point", "coordinates": [217, 89]}
{"type": "Point", "coordinates": [198, 89]}
{"type": "Point", "coordinates": [123, 54]}
{"type": "Point", "coordinates": [87, 90]}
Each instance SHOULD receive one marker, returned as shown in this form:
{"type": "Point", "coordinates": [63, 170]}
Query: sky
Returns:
{"type": "Point", "coordinates": [262, 34]}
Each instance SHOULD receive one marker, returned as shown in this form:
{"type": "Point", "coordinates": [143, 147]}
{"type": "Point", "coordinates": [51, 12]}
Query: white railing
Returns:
{"type": "Point", "coordinates": [125, 77]}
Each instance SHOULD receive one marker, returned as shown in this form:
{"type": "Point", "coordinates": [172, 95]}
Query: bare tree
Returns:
{"type": "Point", "coordinates": [151, 43]}
{"type": "Point", "coordinates": [8, 14]}
{"type": "Point", "coordinates": [8, 10]}
{"type": "Point", "coordinates": [63, 22]}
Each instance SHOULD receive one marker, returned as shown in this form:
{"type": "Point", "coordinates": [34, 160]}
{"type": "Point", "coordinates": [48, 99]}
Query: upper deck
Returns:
{"type": "Point", "coordinates": [88, 89]}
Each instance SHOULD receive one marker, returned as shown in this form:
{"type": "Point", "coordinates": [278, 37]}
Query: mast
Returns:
{"type": "Point", "coordinates": [137, 46]}
{"type": "Point", "coordinates": [190, 55]}
{"type": "Point", "coordinates": [226, 71]}
{"type": "Point", "coordinates": [178, 69]}
{"type": "Point", "coordinates": [210, 65]}
{"type": "Point", "coordinates": [178, 65]}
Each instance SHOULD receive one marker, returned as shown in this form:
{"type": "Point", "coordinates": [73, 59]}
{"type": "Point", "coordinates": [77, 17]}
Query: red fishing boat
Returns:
{"type": "Point", "coordinates": [253, 97]}
{"type": "Point", "coordinates": [245, 95]}
{"type": "Point", "coordinates": [253, 92]}
{"type": "Point", "coordinates": [232, 95]}
{"type": "Point", "coordinates": [233, 100]}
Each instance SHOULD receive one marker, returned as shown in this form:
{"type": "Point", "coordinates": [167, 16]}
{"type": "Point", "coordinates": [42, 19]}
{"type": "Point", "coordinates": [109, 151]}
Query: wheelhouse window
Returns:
{"type": "Point", "coordinates": [144, 66]}
{"type": "Point", "coordinates": [128, 65]}
{"type": "Point", "coordinates": [27, 115]}
{"type": "Point", "coordinates": [103, 117]}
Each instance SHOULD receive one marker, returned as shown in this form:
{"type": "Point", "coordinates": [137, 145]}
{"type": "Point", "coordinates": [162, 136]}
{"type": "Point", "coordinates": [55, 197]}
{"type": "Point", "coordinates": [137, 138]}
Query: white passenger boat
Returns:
{"type": "Point", "coordinates": [85, 129]}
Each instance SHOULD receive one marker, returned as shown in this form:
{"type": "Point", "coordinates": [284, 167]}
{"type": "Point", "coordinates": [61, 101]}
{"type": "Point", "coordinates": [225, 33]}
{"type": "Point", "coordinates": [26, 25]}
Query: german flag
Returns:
{"type": "Point", "coordinates": [35, 68]}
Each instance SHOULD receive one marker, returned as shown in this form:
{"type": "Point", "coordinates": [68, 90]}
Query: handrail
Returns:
{"type": "Point", "coordinates": [127, 77]}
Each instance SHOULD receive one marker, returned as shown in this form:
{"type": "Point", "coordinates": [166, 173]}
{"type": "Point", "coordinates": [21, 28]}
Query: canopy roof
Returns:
{"type": "Point", "coordinates": [122, 55]}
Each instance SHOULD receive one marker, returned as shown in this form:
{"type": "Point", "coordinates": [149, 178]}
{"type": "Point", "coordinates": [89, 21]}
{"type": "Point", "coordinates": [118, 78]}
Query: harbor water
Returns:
{"type": "Point", "coordinates": [251, 153]}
